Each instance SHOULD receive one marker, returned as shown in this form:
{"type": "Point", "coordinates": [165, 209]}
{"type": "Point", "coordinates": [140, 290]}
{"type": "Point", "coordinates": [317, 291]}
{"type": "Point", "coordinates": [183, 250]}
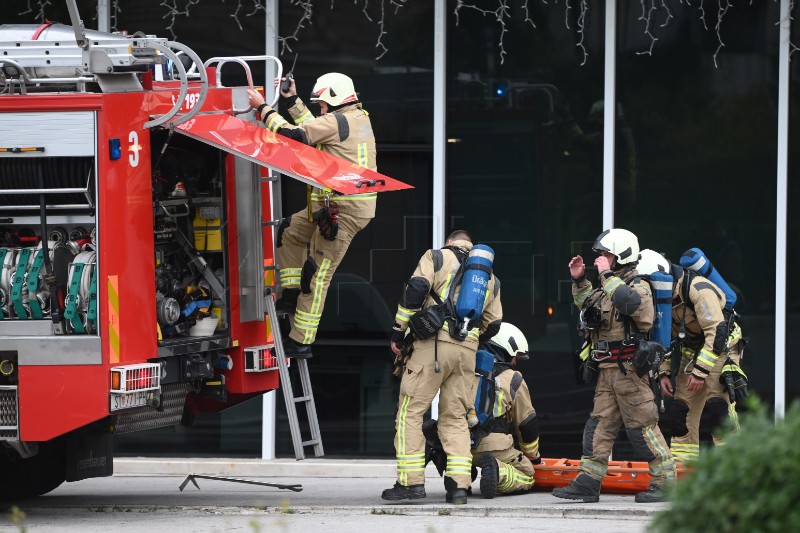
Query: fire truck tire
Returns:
{"type": "Point", "coordinates": [34, 476]}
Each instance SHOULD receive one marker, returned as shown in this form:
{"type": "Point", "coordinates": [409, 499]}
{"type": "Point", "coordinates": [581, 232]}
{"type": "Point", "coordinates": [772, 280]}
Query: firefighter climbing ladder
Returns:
{"type": "Point", "coordinates": [288, 392]}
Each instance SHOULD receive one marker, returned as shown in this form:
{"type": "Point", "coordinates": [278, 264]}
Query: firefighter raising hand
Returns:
{"type": "Point", "coordinates": [576, 267]}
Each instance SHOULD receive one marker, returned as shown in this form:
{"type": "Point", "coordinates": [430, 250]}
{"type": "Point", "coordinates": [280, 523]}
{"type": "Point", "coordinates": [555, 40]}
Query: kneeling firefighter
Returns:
{"type": "Point", "coordinates": [614, 317]}
{"type": "Point", "coordinates": [441, 360]}
{"type": "Point", "coordinates": [506, 415]}
{"type": "Point", "coordinates": [707, 350]}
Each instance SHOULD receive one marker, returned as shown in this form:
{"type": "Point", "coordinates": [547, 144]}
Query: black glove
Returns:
{"type": "Point", "coordinates": [403, 342]}
{"type": "Point", "coordinates": [735, 380]}
{"type": "Point", "coordinates": [327, 220]}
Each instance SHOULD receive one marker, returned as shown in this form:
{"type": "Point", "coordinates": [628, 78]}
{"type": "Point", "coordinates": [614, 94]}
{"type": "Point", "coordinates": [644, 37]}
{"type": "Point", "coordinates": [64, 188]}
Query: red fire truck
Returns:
{"type": "Point", "coordinates": [135, 236]}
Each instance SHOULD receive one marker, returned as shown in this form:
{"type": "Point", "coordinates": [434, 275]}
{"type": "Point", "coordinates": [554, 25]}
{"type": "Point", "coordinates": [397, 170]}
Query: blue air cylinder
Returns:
{"type": "Point", "coordinates": [484, 365]}
{"type": "Point", "coordinates": [662, 295]}
{"type": "Point", "coordinates": [477, 273]}
{"type": "Point", "coordinates": [696, 260]}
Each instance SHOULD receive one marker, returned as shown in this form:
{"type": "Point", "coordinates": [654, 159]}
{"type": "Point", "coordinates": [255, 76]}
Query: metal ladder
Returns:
{"type": "Point", "coordinates": [288, 392]}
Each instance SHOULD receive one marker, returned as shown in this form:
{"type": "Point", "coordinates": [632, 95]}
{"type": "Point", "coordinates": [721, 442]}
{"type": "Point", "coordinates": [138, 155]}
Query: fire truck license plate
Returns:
{"type": "Point", "coordinates": [126, 401]}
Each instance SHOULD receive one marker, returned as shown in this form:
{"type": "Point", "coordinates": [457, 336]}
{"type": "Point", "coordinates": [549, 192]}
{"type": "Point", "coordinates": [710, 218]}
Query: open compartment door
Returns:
{"type": "Point", "coordinates": [281, 154]}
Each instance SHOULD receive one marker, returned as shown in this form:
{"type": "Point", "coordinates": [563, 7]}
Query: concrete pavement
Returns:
{"type": "Point", "coordinates": [336, 495]}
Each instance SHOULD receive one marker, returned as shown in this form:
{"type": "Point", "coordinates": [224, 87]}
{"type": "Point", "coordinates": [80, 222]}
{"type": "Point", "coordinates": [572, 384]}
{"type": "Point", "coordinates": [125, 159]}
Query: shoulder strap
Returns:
{"type": "Point", "coordinates": [461, 254]}
{"type": "Point", "coordinates": [687, 282]}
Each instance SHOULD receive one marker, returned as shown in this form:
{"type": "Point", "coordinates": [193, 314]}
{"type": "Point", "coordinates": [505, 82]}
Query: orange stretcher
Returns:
{"type": "Point", "coordinates": [623, 477]}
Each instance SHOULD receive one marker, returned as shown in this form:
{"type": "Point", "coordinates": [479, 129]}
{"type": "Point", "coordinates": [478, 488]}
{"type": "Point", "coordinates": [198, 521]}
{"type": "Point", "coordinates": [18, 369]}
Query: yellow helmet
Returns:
{"type": "Point", "coordinates": [334, 89]}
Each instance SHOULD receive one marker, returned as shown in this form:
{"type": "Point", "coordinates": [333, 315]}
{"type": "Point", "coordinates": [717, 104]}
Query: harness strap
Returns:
{"type": "Point", "coordinates": [624, 355]}
{"type": "Point", "coordinates": [620, 354]}
{"type": "Point", "coordinates": [497, 425]}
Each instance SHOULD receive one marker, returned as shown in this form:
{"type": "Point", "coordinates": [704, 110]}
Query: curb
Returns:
{"type": "Point", "coordinates": [470, 510]}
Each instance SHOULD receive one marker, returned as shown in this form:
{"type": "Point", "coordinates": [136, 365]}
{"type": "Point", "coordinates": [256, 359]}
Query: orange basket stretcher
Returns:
{"type": "Point", "coordinates": [623, 477]}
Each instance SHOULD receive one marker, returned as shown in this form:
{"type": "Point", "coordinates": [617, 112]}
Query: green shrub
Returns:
{"type": "Point", "coordinates": [750, 484]}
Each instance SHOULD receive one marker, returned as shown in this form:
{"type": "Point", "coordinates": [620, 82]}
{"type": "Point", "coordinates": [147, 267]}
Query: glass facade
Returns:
{"type": "Point", "coordinates": [695, 151]}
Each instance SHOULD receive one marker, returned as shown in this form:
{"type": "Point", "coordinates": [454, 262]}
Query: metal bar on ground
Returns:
{"type": "Point", "coordinates": [193, 477]}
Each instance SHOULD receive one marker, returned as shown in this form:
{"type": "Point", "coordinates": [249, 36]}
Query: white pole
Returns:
{"type": "Point", "coordinates": [609, 117]}
{"type": "Point", "coordinates": [268, 425]}
{"type": "Point", "coordinates": [268, 415]}
{"type": "Point", "coordinates": [781, 210]}
{"type": "Point", "coordinates": [103, 16]}
{"type": "Point", "coordinates": [609, 114]}
{"type": "Point", "coordinates": [439, 121]}
{"type": "Point", "coordinates": [439, 134]}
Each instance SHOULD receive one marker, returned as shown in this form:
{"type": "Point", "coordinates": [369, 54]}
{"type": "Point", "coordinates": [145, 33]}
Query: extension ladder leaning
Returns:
{"type": "Point", "coordinates": [288, 393]}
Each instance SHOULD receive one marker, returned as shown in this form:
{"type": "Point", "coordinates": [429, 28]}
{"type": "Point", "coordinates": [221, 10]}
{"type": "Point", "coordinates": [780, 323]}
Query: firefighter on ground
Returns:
{"type": "Point", "coordinates": [708, 375]}
{"type": "Point", "coordinates": [614, 317]}
{"type": "Point", "coordinates": [312, 242]}
{"type": "Point", "coordinates": [506, 469]}
{"type": "Point", "coordinates": [443, 363]}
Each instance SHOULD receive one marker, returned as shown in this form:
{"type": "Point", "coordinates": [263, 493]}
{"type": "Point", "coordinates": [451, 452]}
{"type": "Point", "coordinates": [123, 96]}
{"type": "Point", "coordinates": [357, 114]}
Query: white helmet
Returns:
{"type": "Point", "coordinates": [334, 89]}
{"type": "Point", "coordinates": [652, 261]}
{"type": "Point", "coordinates": [620, 242]}
{"type": "Point", "coordinates": [511, 341]}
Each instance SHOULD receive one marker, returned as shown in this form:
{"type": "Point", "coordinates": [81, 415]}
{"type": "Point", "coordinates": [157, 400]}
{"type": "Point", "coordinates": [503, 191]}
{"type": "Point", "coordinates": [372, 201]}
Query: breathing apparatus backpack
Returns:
{"type": "Point", "coordinates": [473, 277]}
{"type": "Point", "coordinates": [474, 284]}
{"type": "Point", "coordinates": [694, 259]}
{"type": "Point", "coordinates": [484, 368]}
{"type": "Point", "coordinates": [650, 352]}
{"type": "Point", "coordinates": [661, 283]}
{"type": "Point", "coordinates": [487, 370]}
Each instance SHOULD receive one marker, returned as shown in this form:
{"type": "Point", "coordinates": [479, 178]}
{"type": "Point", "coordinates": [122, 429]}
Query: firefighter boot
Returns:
{"type": "Point", "coordinates": [653, 494]}
{"type": "Point", "coordinates": [401, 492]}
{"type": "Point", "coordinates": [292, 348]}
{"type": "Point", "coordinates": [489, 476]}
{"type": "Point", "coordinates": [584, 488]}
{"type": "Point", "coordinates": [287, 303]}
{"type": "Point", "coordinates": [454, 495]}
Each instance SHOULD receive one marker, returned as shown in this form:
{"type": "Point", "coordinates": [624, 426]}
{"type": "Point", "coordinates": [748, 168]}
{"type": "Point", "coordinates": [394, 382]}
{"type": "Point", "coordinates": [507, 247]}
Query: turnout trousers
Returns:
{"type": "Point", "coordinates": [625, 399]}
{"type": "Point", "coordinates": [516, 470]}
{"type": "Point", "coordinates": [307, 262]}
{"type": "Point", "coordinates": [418, 386]}
{"type": "Point", "coordinates": [687, 407]}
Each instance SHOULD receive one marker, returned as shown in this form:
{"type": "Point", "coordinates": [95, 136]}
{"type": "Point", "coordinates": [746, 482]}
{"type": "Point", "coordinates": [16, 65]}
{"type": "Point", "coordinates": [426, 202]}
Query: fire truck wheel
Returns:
{"type": "Point", "coordinates": [35, 475]}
